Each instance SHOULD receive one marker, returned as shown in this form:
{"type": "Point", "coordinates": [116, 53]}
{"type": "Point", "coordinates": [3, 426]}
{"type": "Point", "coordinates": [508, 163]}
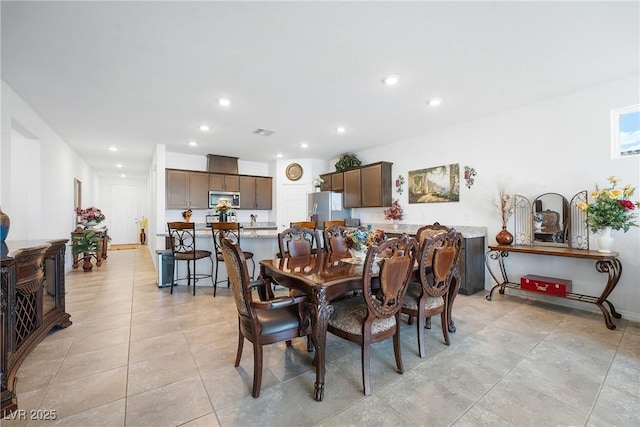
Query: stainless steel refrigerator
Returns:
{"type": "Point", "coordinates": [327, 205]}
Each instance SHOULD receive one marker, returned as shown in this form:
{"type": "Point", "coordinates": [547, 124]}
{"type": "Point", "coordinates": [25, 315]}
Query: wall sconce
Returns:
{"type": "Point", "coordinates": [469, 174]}
{"type": "Point", "coordinates": [399, 184]}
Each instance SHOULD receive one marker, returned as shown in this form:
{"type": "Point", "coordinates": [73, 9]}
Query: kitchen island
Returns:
{"type": "Point", "coordinates": [262, 239]}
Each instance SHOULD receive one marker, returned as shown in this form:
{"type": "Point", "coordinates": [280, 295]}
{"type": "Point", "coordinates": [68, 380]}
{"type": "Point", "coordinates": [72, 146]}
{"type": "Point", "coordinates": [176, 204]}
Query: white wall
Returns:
{"type": "Point", "coordinates": [59, 165]}
{"type": "Point", "coordinates": [559, 145]}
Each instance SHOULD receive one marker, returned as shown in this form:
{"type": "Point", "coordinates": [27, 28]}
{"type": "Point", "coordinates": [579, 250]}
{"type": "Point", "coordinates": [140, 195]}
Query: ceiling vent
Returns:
{"type": "Point", "coordinates": [263, 132]}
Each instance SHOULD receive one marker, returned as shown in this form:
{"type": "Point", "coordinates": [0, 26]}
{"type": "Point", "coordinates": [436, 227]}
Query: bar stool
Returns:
{"type": "Point", "coordinates": [183, 247]}
{"type": "Point", "coordinates": [229, 230]}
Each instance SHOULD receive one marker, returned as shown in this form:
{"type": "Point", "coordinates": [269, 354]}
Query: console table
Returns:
{"type": "Point", "coordinates": [607, 263]}
{"type": "Point", "coordinates": [31, 304]}
{"type": "Point", "coordinates": [100, 254]}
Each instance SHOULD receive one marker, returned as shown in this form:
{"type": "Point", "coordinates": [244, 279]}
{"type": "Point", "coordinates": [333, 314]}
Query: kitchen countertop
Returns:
{"type": "Point", "coordinates": [268, 230]}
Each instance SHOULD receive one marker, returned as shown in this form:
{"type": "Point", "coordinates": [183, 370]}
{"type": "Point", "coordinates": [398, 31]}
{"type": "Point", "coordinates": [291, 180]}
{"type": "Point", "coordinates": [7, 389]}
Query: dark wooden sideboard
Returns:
{"type": "Point", "coordinates": [32, 303]}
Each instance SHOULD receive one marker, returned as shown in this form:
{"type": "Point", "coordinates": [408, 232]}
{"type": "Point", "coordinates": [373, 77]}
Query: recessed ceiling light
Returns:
{"type": "Point", "coordinates": [304, 145]}
{"type": "Point", "coordinates": [434, 102]}
{"type": "Point", "coordinates": [113, 149]}
{"type": "Point", "coordinates": [119, 165]}
{"type": "Point", "coordinates": [193, 143]}
{"type": "Point", "coordinates": [391, 79]}
{"type": "Point", "coordinates": [279, 155]}
{"type": "Point", "coordinates": [225, 102]}
{"type": "Point", "coordinates": [123, 175]}
{"type": "Point", "coordinates": [341, 129]}
{"type": "Point", "coordinates": [204, 128]}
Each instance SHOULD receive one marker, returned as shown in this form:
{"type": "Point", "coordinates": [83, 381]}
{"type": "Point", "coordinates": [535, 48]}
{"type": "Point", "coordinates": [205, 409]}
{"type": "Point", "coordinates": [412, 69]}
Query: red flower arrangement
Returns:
{"type": "Point", "coordinates": [395, 211]}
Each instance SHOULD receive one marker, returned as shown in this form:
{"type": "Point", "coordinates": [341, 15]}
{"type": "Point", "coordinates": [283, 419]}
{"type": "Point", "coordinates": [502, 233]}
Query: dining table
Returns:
{"type": "Point", "coordinates": [323, 277]}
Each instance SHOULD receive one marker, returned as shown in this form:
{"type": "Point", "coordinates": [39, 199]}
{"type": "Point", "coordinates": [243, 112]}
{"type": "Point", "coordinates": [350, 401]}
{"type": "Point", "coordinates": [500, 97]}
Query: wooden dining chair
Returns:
{"type": "Point", "coordinates": [422, 235]}
{"type": "Point", "coordinates": [333, 237]}
{"type": "Point", "coordinates": [328, 224]}
{"type": "Point", "coordinates": [428, 297]}
{"type": "Point", "coordinates": [374, 316]}
{"type": "Point", "coordinates": [260, 322]}
{"type": "Point", "coordinates": [304, 224]}
{"type": "Point", "coordinates": [230, 230]}
{"type": "Point", "coordinates": [297, 241]}
{"type": "Point", "coordinates": [182, 236]}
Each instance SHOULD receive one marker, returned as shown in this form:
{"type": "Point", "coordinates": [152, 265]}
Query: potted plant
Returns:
{"type": "Point", "coordinates": [347, 161]}
{"type": "Point", "coordinates": [87, 244]}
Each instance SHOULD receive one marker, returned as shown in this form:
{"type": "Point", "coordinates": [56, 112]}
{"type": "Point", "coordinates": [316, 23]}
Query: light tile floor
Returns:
{"type": "Point", "coordinates": [138, 356]}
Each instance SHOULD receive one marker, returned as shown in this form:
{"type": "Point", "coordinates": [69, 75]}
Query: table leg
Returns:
{"type": "Point", "coordinates": [613, 268]}
{"type": "Point", "coordinates": [320, 312]}
{"type": "Point", "coordinates": [497, 255]}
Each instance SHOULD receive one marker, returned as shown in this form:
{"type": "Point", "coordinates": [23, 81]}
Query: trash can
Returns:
{"type": "Point", "coordinates": [165, 267]}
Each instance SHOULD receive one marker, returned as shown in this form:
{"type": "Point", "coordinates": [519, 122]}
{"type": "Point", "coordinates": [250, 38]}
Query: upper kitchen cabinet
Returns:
{"type": "Point", "coordinates": [187, 189]}
{"type": "Point", "coordinates": [332, 182]}
{"type": "Point", "coordinates": [352, 188]}
{"type": "Point", "coordinates": [219, 182]}
{"type": "Point", "coordinates": [368, 186]}
{"type": "Point", "coordinates": [255, 192]}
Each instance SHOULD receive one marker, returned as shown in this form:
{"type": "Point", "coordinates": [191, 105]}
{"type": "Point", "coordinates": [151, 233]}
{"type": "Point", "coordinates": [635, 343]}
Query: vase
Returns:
{"type": "Point", "coordinates": [187, 216]}
{"type": "Point", "coordinates": [394, 224]}
{"type": "Point", "coordinates": [504, 237]}
{"type": "Point", "coordinates": [90, 224]}
{"type": "Point", "coordinates": [605, 241]}
{"type": "Point", "coordinates": [87, 266]}
{"type": "Point", "coordinates": [143, 237]}
{"type": "Point", "coordinates": [223, 217]}
{"type": "Point", "coordinates": [361, 254]}
{"type": "Point", "coordinates": [5, 223]}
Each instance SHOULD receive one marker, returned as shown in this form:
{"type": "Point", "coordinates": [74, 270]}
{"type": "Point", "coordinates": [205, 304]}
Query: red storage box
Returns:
{"type": "Point", "coordinates": [546, 285]}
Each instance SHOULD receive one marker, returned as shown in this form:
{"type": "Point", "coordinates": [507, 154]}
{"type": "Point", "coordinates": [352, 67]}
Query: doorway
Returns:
{"type": "Point", "coordinates": [123, 228]}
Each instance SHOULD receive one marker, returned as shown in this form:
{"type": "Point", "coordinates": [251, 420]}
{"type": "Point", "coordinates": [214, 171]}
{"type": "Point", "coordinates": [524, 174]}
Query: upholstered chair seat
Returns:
{"type": "Point", "coordinates": [349, 314]}
{"type": "Point", "coordinates": [414, 292]}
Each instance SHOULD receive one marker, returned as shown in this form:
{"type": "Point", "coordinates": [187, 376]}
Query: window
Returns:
{"type": "Point", "coordinates": [625, 131]}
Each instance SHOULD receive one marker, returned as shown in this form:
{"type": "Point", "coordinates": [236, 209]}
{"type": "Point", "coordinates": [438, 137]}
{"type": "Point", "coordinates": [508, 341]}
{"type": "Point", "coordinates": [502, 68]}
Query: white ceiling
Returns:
{"type": "Point", "coordinates": [137, 74]}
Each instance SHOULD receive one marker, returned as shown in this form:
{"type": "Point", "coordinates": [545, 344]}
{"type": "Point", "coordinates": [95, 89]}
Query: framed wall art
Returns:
{"type": "Point", "coordinates": [435, 185]}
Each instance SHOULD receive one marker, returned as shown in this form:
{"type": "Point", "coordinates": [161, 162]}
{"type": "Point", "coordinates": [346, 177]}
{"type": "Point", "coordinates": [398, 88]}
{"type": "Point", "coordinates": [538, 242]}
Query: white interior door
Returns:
{"type": "Point", "coordinates": [124, 211]}
{"type": "Point", "coordinates": [292, 204]}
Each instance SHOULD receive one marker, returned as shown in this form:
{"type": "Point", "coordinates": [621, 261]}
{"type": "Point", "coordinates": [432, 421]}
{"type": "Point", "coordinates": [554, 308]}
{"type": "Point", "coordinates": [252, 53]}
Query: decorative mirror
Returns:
{"type": "Point", "coordinates": [551, 220]}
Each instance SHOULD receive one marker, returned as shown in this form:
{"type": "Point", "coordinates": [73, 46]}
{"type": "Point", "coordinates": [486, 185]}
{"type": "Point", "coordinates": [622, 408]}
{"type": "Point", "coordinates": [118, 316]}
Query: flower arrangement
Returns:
{"type": "Point", "coordinates": [505, 206]}
{"type": "Point", "coordinates": [395, 211]}
{"type": "Point", "coordinates": [611, 207]}
{"type": "Point", "coordinates": [187, 214]}
{"type": "Point", "coordinates": [144, 221]}
{"type": "Point", "coordinates": [317, 182]}
{"type": "Point", "coordinates": [363, 237]}
{"type": "Point", "coordinates": [537, 217]}
{"type": "Point", "coordinates": [91, 214]}
{"type": "Point", "coordinates": [223, 205]}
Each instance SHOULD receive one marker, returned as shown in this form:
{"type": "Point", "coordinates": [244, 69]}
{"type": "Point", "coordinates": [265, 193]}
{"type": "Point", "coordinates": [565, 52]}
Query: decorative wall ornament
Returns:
{"type": "Point", "coordinates": [469, 174]}
{"type": "Point", "coordinates": [399, 184]}
{"type": "Point", "coordinates": [435, 185]}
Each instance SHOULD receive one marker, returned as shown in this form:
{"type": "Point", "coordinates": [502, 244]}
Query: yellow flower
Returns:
{"type": "Point", "coordinates": [612, 179]}
{"type": "Point", "coordinates": [595, 194]}
{"type": "Point", "coordinates": [628, 190]}
{"type": "Point", "coordinates": [615, 193]}
{"type": "Point", "coordinates": [582, 206]}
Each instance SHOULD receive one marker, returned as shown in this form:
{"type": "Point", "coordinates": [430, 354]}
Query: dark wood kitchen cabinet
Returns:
{"type": "Point", "coordinates": [220, 182]}
{"type": "Point", "coordinates": [368, 186]}
{"type": "Point", "coordinates": [187, 189]}
{"type": "Point", "coordinates": [255, 192]}
{"type": "Point", "coordinates": [332, 182]}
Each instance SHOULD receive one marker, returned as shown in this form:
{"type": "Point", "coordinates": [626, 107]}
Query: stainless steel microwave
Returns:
{"type": "Point", "coordinates": [214, 196]}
